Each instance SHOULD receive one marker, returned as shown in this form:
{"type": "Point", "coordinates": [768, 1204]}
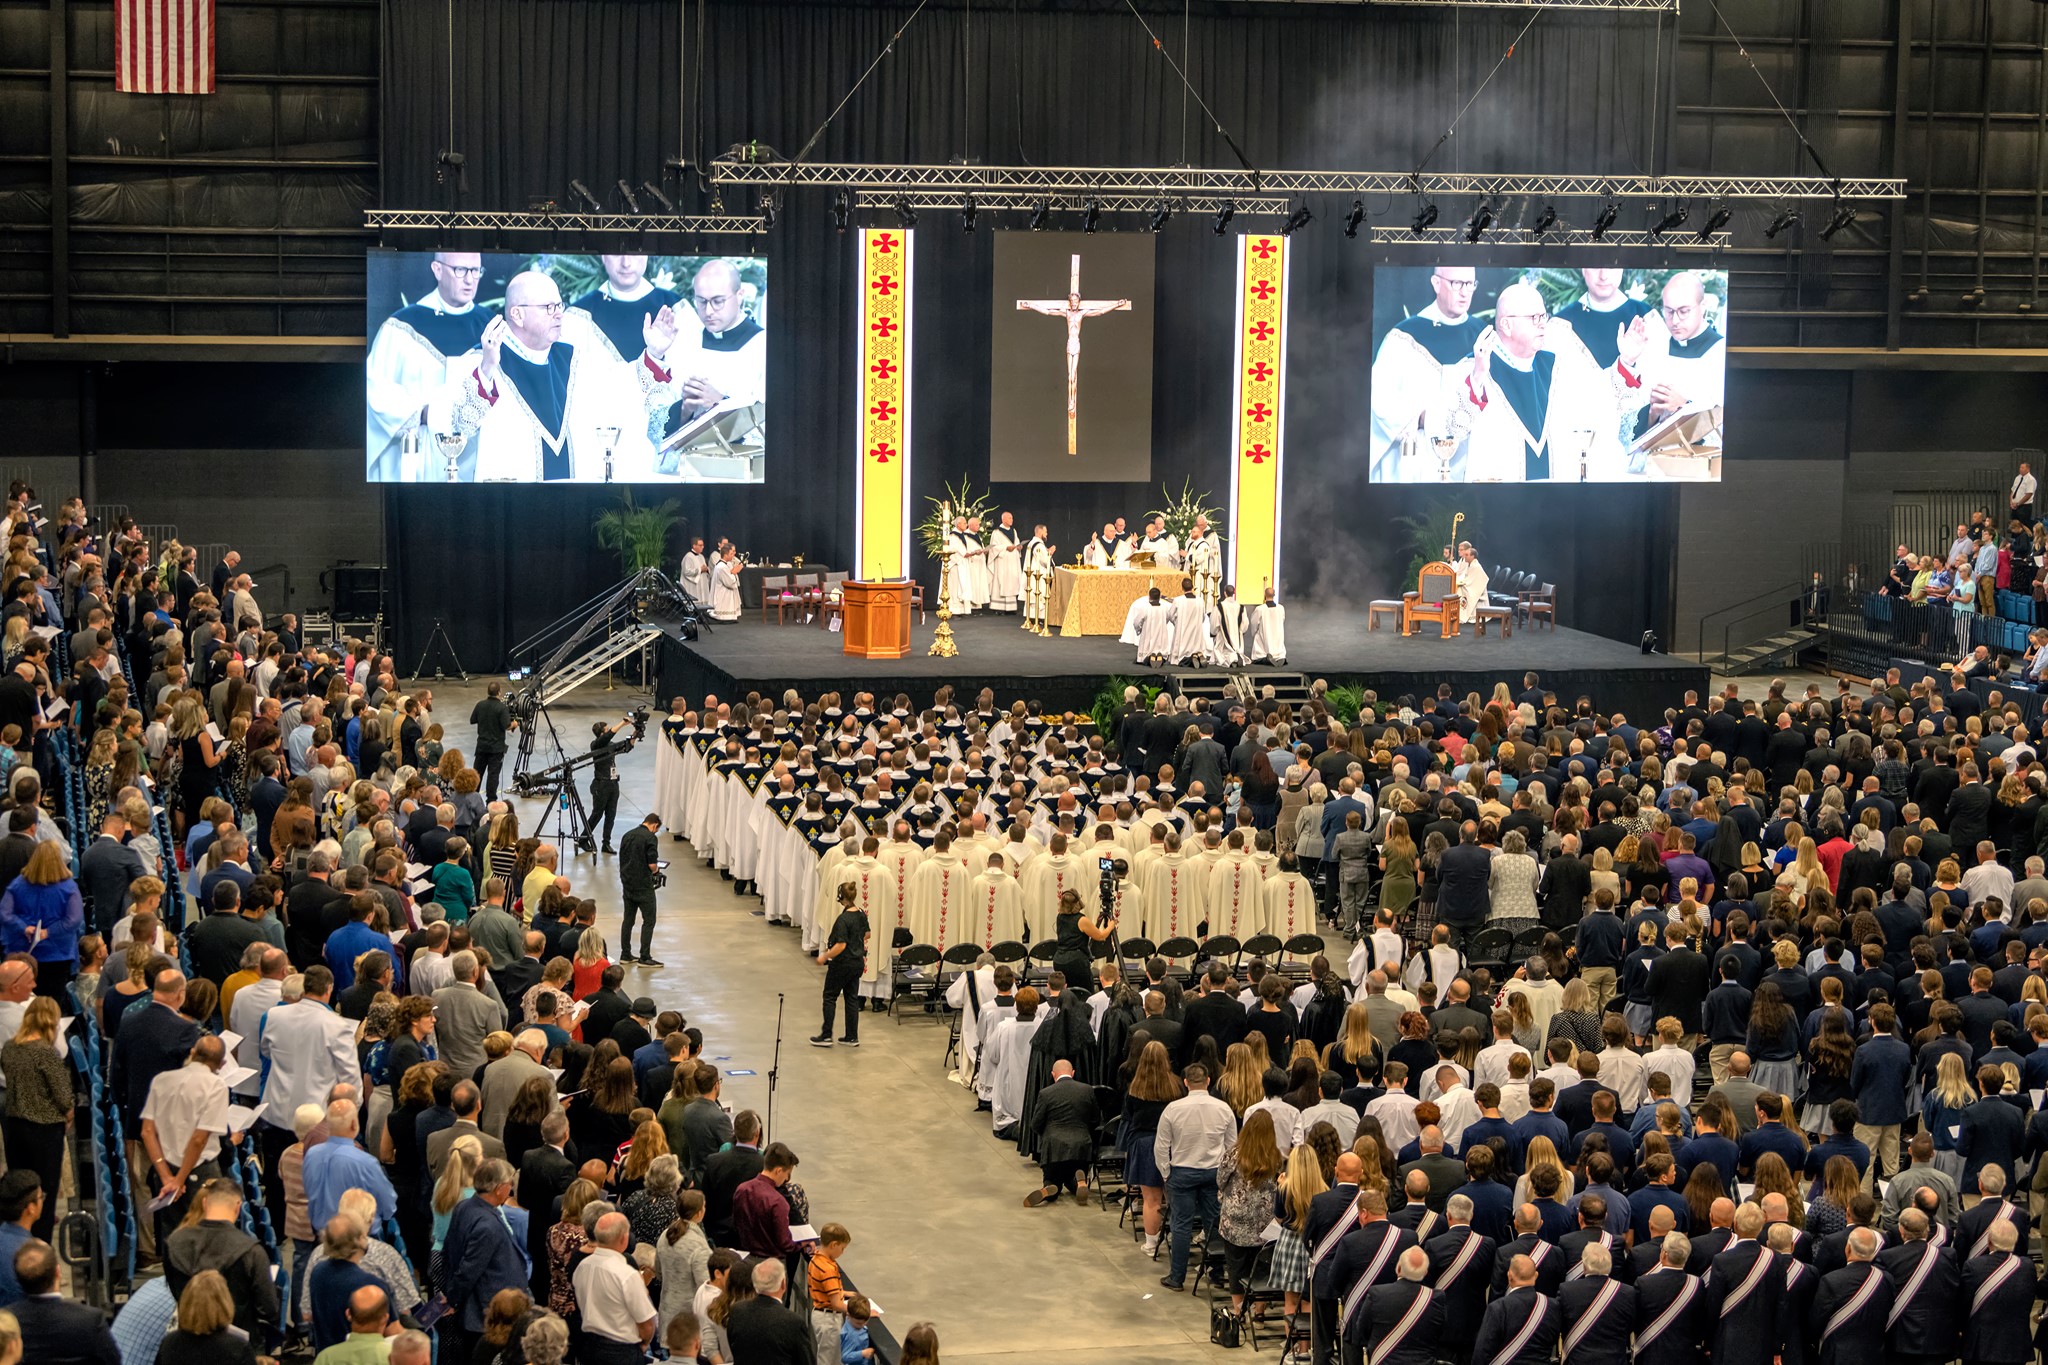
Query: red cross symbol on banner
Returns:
{"type": "Point", "coordinates": [885, 285]}
{"type": "Point", "coordinates": [1262, 331]}
{"type": "Point", "coordinates": [888, 325]}
{"type": "Point", "coordinates": [883, 410]}
{"type": "Point", "coordinates": [1263, 249]}
{"type": "Point", "coordinates": [884, 243]}
{"type": "Point", "coordinates": [1263, 290]}
{"type": "Point", "coordinates": [1258, 454]}
{"type": "Point", "coordinates": [1261, 372]}
{"type": "Point", "coordinates": [882, 452]}
{"type": "Point", "coordinates": [882, 369]}
{"type": "Point", "coordinates": [1259, 412]}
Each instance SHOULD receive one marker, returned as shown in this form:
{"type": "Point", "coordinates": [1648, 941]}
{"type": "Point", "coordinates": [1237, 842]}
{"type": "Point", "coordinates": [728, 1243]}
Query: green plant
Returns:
{"type": "Point", "coordinates": [1109, 701]}
{"type": "Point", "coordinates": [1427, 530]}
{"type": "Point", "coordinates": [960, 501]}
{"type": "Point", "coordinates": [1345, 701]}
{"type": "Point", "coordinates": [640, 534]}
{"type": "Point", "coordinates": [1182, 508]}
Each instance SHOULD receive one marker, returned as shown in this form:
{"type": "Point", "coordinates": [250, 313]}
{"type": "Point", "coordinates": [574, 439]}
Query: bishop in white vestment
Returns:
{"type": "Point", "coordinates": [1472, 583]}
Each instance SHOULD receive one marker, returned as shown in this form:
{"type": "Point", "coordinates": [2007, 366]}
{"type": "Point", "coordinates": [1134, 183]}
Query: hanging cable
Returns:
{"type": "Point", "coordinates": [887, 48]}
{"type": "Point", "coordinates": [1446, 137]}
{"type": "Point", "coordinates": [1188, 87]}
{"type": "Point", "coordinates": [1790, 122]}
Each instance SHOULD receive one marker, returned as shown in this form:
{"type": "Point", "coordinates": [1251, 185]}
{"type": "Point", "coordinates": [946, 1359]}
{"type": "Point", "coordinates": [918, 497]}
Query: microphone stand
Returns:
{"type": "Point", "coordinates": [774, 1071]}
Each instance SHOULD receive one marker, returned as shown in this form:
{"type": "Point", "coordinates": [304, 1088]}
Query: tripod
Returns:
{"type": "Point", "coordinates": [774, 1070]}
{"type": "Point", "coordinates": [565, 804]}
{"type": "Point", "coordinates": [439, 633]}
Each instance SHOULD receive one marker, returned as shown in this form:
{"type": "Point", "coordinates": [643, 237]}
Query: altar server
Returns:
{"type": "Point", "coordinates": [1191, 643]}
{"type": "Point", "coordinates": [695, 578]}
{"type": "Point", "coordinates": [627, 297]}
{"type": "Point", "coordinates": [1226, 629]}
{"type": "Point", "coordinates": [1600, 315]}
{"type": "Point", "coordinates": [725, 587]}
{"type": "Point", "coordinates": [419, 352]}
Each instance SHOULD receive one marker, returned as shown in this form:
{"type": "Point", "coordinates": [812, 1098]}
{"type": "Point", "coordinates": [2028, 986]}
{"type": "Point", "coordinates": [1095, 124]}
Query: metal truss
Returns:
{"type": "Point", "coordinates": [480, 220]}
{"type": "Point", "coordinates": [1003, 202]}
{"type": "Point", "coordinates": [1151, 183]}
{"type": "Point", "coordinates": [1577, 237]}
{"type": "Point", "coordinates": [1645, 5]}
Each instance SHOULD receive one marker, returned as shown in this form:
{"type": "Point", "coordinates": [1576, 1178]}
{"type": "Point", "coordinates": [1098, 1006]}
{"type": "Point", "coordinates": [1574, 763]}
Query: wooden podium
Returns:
{"type": "Point", "coordinates": [876, 619]}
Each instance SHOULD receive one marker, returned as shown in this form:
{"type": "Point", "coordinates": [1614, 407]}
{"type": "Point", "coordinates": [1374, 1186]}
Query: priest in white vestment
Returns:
{"type": "Point", "coordinates": [1042, 881]}
{"type": "Point", "coordinates": [725, 588]}
{"type": "Point", "coordinates": [1472, 583]}
{"type": "Point", "coordinates": [1191, 642]}
{"type": "Point", "coordinates": [1532, 401]}
{"type": "Point", "coordinates": [995, 905]}
{"type": "Point", "coordinates": [1415, 375]}
{"type": "Point", "coordinates": [876, 900]}
{"type": "Point", "coordinates": [695, 577]}
{"type": "Point", "coordinates": [1226, 628]}
{"type": "Point", "coordinates": [1106, 551]}
{"type": "Point", "coordinates": [978, 576]}
{"type": "Point", "coordinates": [1149, 626]}
{"type": "Point", "coordinates": [939, 897]}
{"type": "Point", "coordinates": [1234, 899]}
{"type": "Point", "coordinates": [1162, 546]}
{"type": "Point", "coordinates": [1174, 893]}
{"type": "Point", "coordinates": [419, 352]}
{"type": "Point", "coordinates": [1005, 565]}
{"type": "Point", "coordinates": [1265, 640]}
{"type": "Point", "coordinates": [1680, 367]}
{"type": "Point", "coordinates": [1288, 903]}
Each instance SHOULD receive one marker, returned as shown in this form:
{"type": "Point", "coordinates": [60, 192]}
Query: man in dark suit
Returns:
{"type": "Point", "coordinates": [1679, 981]}
{"type": "Point", "coordinates": [1999, 1287]}
{"type": "Point", "coordinates": [1331, 1214]}
{"type": "Point", "coordinates": [1924, 1320]}
{"type": "Point", "coordinates": [1669, 1308]}
{"type": "Point", "coordinates": [762, 1331]}
{"type": "Point", "coordinates": [105, 872]}
{"type": "Point", "coordinates": [1575, 1103]}
{"type": "Point", "coordinates": [1591, 1232]}
{"type": "Point", "coordinates": [1364, 1258]}
{"type": "Point", "coordinates": [1214, 1014]}
{"type": "Point", "coordinates": [1994, 1130]}
{"type": "Point", "coordinates": [1065, 1119]}
{"type": "Point", "coordinates": [544, 1173]}
{"type": "Point", "coordinates": [1461, 1268]}
{"type": "Point", "coordinates": [1968, 811]}
{"type": "Point", "coordinates": [1973, 1229]}
{"type": "Point", "coordinates": [1528, 1244]}
{"type": "Point", "coordinates": [1401, 1323]}
{"type": "Point", "coordinates": [1744, 1291]}
{"type": "Point", "coordinates": [479, 1257]}
{"type": "Point", "coordinates": [1599, 1311]}
{"type": "Point", "coordinates": [1831, 1252]}
{"type": "Point", "coordinates": [54, 1330]}
{"type": "Point", "coordinates": [727, 1171]}
{"type": "Point", "coordinates": [1522, 1326]}
{"type": "Point", "coordinates": [306, 911]}
{"type": "Point", "coordinates": [514, 979]}
{"type": "Point", "coordinates": [1464, 877]}
{"type": "Point", "coordinates": [1800, 1286]}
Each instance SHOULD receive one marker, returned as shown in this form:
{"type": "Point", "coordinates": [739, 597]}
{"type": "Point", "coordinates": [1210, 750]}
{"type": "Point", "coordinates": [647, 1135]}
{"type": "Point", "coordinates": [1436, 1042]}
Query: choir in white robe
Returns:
{"type": "Point", "coordinates": [939, 901]}
{"type": "Point", "coordinates": [1266, 638]}
{"type": "Point", "coordinates": [1190, 640]}
{"type": "Point", "coordinates": [1149, 626]}
{"type": "Point", "coordinates": [1174, 889]}
{"type": "Point", "coordinates": [725, 590]}
{"type": "Point", "coordinates": [995, 908]}
{"type": "Point", "coordinates": [1005, 561]}
{"type": "Point", "coordinates": [1227, 632]}
{"type": "Point", "coordinates": [695, 578]}
{"type": "Point", "coordinates": [1288, 901]}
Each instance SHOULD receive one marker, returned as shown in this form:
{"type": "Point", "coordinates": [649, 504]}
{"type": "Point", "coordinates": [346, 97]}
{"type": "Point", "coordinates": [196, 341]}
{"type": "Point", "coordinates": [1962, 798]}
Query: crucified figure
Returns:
{"type": "Point", "coordinates": [1074, 309]}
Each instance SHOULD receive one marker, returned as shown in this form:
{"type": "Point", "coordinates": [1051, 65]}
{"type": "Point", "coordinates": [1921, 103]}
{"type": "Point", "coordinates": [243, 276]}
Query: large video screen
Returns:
{"type": "Point", "coordinates": [1484, 374]}
{"type": "Point", "coordinates": [541, 368]}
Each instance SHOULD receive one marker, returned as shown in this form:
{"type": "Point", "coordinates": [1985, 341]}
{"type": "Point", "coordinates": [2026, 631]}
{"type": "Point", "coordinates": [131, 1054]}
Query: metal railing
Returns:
{"type": "Point", "coordinates": [1784, 597]}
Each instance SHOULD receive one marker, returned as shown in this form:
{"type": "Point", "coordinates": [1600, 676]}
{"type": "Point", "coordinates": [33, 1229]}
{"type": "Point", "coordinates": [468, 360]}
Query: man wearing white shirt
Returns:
{"type": "Point", "coordinates": [1193, 1132]}
{"type": "Point", "coordinates": [2022, 499]}
{"type": "Point", "coordinates": [1621, 1068]}
{"type": "Point", "coordinates": [1288, 1125]}
{"type": "Point", "coordinates": [1491, 1065]}
{"type": "Point", "coordinates": [183, 1119]}
{"type": "Point", "coordinates": [1988, 878]}
{"type": "Point", "coordinates": [1674, 1061]}
{"type": "Point", "coordinates": [310, 1049]}
{"type": "Point", "coordinates": [1333, 1111]}
{"type": "Point", "coordinates": [618, 1315]}
{"type": "Point", "coordinates": [252, 1002]}
{"type": "Point", "coordinates": [1457, 1106]}
{"type": "Point", "coordinates": [1395, 1110]}
{"type": "Point", "coordinates": [1561, 1073]}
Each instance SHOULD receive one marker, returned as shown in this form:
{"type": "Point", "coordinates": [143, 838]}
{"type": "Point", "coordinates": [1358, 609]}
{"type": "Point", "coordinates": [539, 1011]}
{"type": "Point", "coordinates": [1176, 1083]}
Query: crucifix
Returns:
{"type": "Point", "coordinates": [1074, 309]}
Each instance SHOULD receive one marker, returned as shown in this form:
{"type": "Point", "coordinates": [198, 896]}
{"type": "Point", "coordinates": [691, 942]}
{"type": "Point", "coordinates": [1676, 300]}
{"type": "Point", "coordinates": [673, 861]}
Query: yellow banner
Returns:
{"type": "Point", "coordinates": [1255, 431]}
{"type": "Point", "coordinates": [881, 516]}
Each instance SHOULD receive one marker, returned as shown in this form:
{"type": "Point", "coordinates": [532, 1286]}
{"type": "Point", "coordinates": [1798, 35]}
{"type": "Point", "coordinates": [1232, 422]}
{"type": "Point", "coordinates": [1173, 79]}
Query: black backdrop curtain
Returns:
{"type": "Point", "coordinates": [549, 90]}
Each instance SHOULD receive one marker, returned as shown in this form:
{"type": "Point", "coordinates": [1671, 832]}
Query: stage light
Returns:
{"type": "Point", "coordinates": [1671, 221]}
{"type": "Point", "coordinates": [1160, 214]}
{"type": "Point", "coordinates": [1605, 220]}
{"type": "Point", "coordinates": [1091, 214]}
{"type": "Point", "coordinates": [648, 187]}
{"type": "Point", "coordinates": [1844, 215]}
{"type": "Point", "coordinates": [968, 213]}
{"type": "Point", "coordinates": [1786, 218]}
{"type": "Point", "coordinates": [1479, 222]}
{"type": "Point", "coordinates": [1546, 220]}
{"type": "Point", "coordinates": [1224, 215]}
{"type": "Point", "coordinates": [842, 210]}
{"type": "Point", "coordinates": [1354, 219]}
{"type": "Point", "coordinates": [1297, 220]}
{"type": "Point", "coordinates": [905, 214]}
{"type": "Point", "coordinates": [1038, 213]}
{"type": "Point", "coordinates": [1425, 219]}
{"type": "Point", "coordinates": [583, 191]}
{"type": "Point", "coordinates": [627, 191]}
{"type": "Point", "coordinates": [1716, 220]}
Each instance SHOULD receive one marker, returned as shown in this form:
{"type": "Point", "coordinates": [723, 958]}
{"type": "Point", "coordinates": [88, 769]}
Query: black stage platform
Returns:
{"type": "Point", "coordinates": [1064, 674]}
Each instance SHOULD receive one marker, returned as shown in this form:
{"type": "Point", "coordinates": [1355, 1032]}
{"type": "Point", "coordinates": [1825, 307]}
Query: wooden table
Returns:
{"type": "Point", "coordinates": [1096, 601]}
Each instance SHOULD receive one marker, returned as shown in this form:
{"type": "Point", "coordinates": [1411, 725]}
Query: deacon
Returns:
{"type": "Point", "coordinates": [1038, 566]}
{"type": "Point", "coordinates": [1415, 372]}
{"type": "Point", "coordinates": [725, 587]}
{"type": "Point", "coordinates": [1600, 315]}
{"type": "Point", "coordinates": [1403, 1322]}
{"type": "Point", "coordinates": [1472, 583]}
{"type": "Point", "coordinates": [1006, 578]}
{"type": "Point", "coordinates": [1163, 547]}
{"type": "Point", "coordinates": [1531, 405]}
{"type": "Point", "coordinates": [1150, 626]}
{"type": "Point", "coordinates": [728, 365]}
{"type": "Point", "coordinates": [1191, 642]}
{"type": "Point", "coordinates": [1684, 370]}
{"type": "Point", "coordinates": [1265, 640]}
{"type": "Point", "coordinates": [695, 578]}
{"type": "Point", "coordinates": [1226, 627]}
{"type": "Point", "coordinates": [619, 306]}
{"type": "Point", "coordinates": [548, 410]}
{"type": "Point", "coordinates": [417, 354]}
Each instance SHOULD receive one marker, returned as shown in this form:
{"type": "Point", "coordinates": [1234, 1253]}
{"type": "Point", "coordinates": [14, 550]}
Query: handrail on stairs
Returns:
{"type": "Point", "coordinates": [1778, 596]}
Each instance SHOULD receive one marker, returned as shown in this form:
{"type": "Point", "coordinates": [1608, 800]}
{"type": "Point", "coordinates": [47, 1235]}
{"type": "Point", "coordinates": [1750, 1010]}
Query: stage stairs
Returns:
{"type": "Point", "coordinates": [622, 643]}
{"type": "Point", "coordinates": [1219, 684]}
{"type": "Point", "coordinates": [1771, 652]}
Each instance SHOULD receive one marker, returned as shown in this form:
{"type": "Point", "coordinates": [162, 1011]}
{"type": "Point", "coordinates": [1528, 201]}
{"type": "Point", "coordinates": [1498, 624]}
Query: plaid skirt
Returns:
{"type": "Point", "coordinates": [1290, 1268]}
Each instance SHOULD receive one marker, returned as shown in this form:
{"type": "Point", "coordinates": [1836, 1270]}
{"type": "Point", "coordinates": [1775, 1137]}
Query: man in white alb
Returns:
{"type": "Point", "coordinates": [1226, 629]}
{"type": "Point", "coordinates": [696, 574]}
{"type": "Point", "coordinates": [725, 587]}
{"type": "Point", "coordinates": [1204, 560]}
{"type": "Point", "coordinates": [1149, 626]}
{"type": "Point", "coordinates": [1106, 551]}
{"type": "Point", "coordinates": [1005, 565]}
{"type": "Point", "coordinates": [417, 352]}
{"type": "Point", "coordinates": [1265, 640]}
{"type": "Point", "coordinates": [1532, 404]}
{"type": "Point", "coordinates": [959, 577]}
{"type": "Point", "coordinates": [1191, 643]}
{"type": "Point", "coordinates": [1414, 372]}
{"type": "Point", "coordinates": [1163, 547]}
{"type": "Point", "coordinates": [1472, 581]}
{"type": "Point", "coordinates": [1038, 562]}
{"type": "Point", "coordinates": [978, 576]}
{"type": "Point", "coordinates": [1681, 367]}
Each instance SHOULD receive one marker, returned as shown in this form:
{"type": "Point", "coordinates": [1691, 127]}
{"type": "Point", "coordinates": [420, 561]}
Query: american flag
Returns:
{"type": "Point", "coordinates": [163, 47]}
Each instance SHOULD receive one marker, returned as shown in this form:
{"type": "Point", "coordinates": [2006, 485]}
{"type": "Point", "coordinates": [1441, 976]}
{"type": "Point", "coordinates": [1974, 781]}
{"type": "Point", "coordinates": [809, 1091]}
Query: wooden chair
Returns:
{"type": "Point", "coordinates": [1539, 602]}
{"type": "Point", "coordinates": [829, 606]}
{"type": "Point", "coordinates": [917, 601]}
{"type": "Point", "coordinates": [1435, 599]}
{"type": "Point", "coordinates": [776, 592]}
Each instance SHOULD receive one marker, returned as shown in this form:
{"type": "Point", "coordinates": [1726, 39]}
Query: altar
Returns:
{"type": "Point", "coordinates": [1096, 601]}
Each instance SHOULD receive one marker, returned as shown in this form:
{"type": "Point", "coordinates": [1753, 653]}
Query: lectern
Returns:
{"type": "Point", "coordinates": [877, 619]}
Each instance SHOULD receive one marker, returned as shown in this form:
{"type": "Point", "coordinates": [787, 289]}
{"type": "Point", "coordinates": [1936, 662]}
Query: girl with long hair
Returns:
{"type": "Point", "coordinates": [1243, 1083]}
{"type": "Point", "coordinates": [1942, 1109]}
{"type": "Point", "coordinates": [1299, 1184]}
{"type": "Point", "coordinates": [1153, 1087]}
{"type": "Point", "coordinates": [1247, 1185]}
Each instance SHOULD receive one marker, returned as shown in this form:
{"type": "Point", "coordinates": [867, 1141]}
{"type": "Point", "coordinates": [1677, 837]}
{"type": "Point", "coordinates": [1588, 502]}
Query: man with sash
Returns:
{"type": "Point", "coordinates": [1416, 1215]}
{"type": "Point", "coordinates": [1591, 1232]}
{"type": "Point", "coordinates": [1646, 1255]}
{"type": "Point", "coordinates": [1801, 1284]}
{"type": "Point", "coordinates": [1743, 1292]}
{"type": "Point", "coordinates": [1832, 1251]}
{"type": "Point", "coordinates": [1600, 1312]}
{"type": "Point", "coordinates": [1973, 1229]}
{"type": "Point", "coordinates": [1522, 1326]}
{"type": "Point", "coordinates": [1669, 1304]}
{"type": "Point", "coordinates": [1528, 1242]}
{"type": "Point", "coordinates": [1461, 1269]}
{"type": "Point", "coordinates": [1331, 1214]}
{"type": "Point", "coordinates": [1922, 1323]}
{"type": "Point", "coordinates": [1847, 1320]}
{"type": "Point", "coordinates": [1364, 1258]}
{"type": "Point", "coordinates": [1402, 1323]}
{"type": "Point", "coordinates": [1999, 1287]}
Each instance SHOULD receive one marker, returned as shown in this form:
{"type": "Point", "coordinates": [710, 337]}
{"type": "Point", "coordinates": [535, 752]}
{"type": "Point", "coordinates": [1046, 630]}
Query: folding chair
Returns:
{"type": "Point", "coordinates": [912, 976]}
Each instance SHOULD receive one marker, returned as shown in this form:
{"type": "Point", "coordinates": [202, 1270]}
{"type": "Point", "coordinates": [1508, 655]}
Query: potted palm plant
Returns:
{"type": "Point", "coordinates": [639, 533]}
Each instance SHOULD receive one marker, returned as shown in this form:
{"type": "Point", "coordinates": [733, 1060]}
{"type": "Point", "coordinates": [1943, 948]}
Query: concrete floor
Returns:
{"type": "Point", "coordinates": [887, 1145]}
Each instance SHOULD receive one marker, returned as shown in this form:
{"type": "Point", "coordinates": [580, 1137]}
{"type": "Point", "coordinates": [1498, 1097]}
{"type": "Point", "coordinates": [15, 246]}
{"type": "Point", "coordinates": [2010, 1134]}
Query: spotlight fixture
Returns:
{"type": "Point", "coordinates": [1844, 215]}
{"type": "Point", "coordinates": [1605, 220]}
{"type": "Point", "coordinates": [583, 192]}
{"type": "Point", "coordinates": [1546, 220]}
{"type": "Point", "coordinates": [1479, 222]}
{"type": "Point", "coordinates": [905, 214]}
{"type": "Point", "coordinates": [1425, 219]}
{"type": "Point", "coordinates": [445, 161]}
{"type": "Point", "coordinates": [649, 188]}
{"type": "Point", "coordinates": [1297, 220]}
{"type": "Point", "coordinates": [1038, 214]}
{"type": "Point", "coordinates": [1161, 213]}
{"type": "Point", "coordinates": [1787, 217]}
{"type": "Point", "coordinates": [1091, 214]}
{"type": "Point", "coordinates": [1354, 219]}
{"type": "Point", "coordinates": [1716, 220]}
{"type": "Point", "coordinates": [842, 209]}
{"type": "Point", "coordinates": [1224, 215]}
{"type": "Point", "coordinates": [626, 191]}
{"type": "Point", "coordinates": [968, 213]}
{"type": "Point", "coordinates": [1671, 221]}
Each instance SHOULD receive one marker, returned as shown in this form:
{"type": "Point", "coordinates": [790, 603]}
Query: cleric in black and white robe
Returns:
{"type": "Point", "coordinates": [1531, 399]}
{"type": "Point", "coordinates": [1414, 374]}
{"type": "Point", "coordinates": [1683, 367]}
{"type": "Point", "coordinates": [1602, 313]}
{"type": "Point", "coordinates": [418, 354]}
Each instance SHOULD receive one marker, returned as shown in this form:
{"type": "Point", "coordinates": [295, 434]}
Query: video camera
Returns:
{"type": "Point", "coordinates": [1112, 869]}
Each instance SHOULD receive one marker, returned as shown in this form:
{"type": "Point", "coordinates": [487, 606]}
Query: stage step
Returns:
{"type": "Point", "coordinates": [592, 663]}
{"type": "Point", "coordinates": [1219, 684]}
{"type": "Point", "coordinates": [1770, 652]}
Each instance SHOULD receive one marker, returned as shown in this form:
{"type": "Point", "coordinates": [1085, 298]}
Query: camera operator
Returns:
{"type": "Point", "coordinates": [1076, 930]}
{"type": "Point", "coordinates": [640, 876]}
{"type": "Point", "coordinates": [604, 778]}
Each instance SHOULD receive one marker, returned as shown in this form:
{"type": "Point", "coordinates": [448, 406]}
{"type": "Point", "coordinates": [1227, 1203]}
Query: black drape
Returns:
{"type": "Point", "coordinates": [547, 90]}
